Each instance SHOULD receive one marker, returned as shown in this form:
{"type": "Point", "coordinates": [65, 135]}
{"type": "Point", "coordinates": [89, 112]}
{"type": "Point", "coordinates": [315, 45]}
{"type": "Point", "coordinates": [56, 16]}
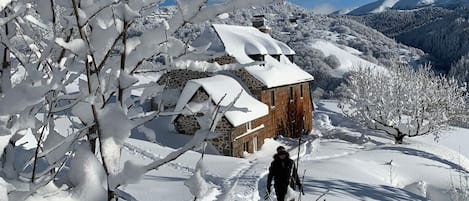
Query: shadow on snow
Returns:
{"type": "Point", "coordinates": [358, 191]}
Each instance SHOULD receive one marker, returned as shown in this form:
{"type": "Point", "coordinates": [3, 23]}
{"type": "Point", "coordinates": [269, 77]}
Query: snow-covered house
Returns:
{"type": "Point", "coordinates": [275, 91]}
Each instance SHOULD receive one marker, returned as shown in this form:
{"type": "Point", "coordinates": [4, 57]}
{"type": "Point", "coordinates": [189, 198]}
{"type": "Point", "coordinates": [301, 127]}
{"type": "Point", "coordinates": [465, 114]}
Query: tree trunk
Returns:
{"type": "Point", "coordinates": [91, 135]}
{"type": "Point", "coordinates": [399, 138]}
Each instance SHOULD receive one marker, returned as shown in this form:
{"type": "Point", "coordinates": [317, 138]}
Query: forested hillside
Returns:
{"type": "Point", "coordinates": [441, 32]}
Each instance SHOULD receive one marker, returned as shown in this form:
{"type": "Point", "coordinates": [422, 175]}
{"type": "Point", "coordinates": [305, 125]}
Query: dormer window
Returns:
{"type": "Point", "coordinates": [276, 56]}
{"type": "Point", "coordinates": [257, 57]}
{"type": "Point", "coordinates": [290, 57]}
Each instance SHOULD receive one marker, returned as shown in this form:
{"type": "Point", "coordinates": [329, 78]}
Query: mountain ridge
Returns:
{"type": "Point", "coordinates": [386, 5]}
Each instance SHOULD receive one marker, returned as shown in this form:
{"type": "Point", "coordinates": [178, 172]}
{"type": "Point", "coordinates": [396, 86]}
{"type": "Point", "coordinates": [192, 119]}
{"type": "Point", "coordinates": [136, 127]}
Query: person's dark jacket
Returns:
{"type": "Point", "coordinates": [283, 172]}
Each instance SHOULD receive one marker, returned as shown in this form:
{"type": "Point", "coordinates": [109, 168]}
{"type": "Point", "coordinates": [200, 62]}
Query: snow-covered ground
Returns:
{"type": "Point", "coordinates": [348, 57]}
{"type": "Point", "coordinates": [347, 163]}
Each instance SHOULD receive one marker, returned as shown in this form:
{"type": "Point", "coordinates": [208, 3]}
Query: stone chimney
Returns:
{"type": "Point", "coordinates": [260, 23]}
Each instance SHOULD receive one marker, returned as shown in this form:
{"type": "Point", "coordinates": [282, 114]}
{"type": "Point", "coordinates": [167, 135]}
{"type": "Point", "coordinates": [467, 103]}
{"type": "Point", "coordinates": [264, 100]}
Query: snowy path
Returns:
{"type": "Point", "coordinates": [244, 186]}
{"type": "Point", "coordinates": [250, 182]}
{"type": "Point", "coordinates": [247, 183]}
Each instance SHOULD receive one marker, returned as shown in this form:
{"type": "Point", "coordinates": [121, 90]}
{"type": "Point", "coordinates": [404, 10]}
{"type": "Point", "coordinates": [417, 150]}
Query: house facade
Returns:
{"type": "Point", "coordinates": [276, 92]}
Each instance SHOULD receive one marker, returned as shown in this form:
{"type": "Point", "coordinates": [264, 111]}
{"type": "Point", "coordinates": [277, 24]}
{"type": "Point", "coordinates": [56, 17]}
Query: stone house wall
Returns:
{"type": "Point", "coordinates": [177, 79]}
{"type": "Point", "coordinates": [226, 59]}
{"type": "Point", "coordinates": [254, 85]}
{"type": "Point", "coordinates": [238, 143]}
{"type": "Point", "coordinates": [285, 118]}
{"type": "Point", "coordinates": [289, 118]}
{"type": "Point", "coordinates": [187, 124]}
{"type": "Point", "coordinates": [223, 143]}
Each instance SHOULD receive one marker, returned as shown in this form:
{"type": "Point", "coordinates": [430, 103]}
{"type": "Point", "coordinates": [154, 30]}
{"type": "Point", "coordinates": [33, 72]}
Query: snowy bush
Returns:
{"type": "Point", "coordinates": [460, 69]}
{"type": "Point", "coordinates": [332, 61]}
{"type": "Point", "coordinates": [403, 102]}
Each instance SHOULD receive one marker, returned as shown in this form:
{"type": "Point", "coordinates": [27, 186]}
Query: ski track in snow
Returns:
{"type": "Point", "coordinates": [177, 166]}
{"type": "Point", "coordinates": [154, 157]}
{"type": "Point", "coordinates": [243, 185]}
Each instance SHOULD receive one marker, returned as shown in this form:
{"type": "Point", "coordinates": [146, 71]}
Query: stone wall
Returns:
{"type": "Point", "coordinates": [188, 124]}
{"type": "Point", "coordinates": [223, 143]}
{"type": "Point", "coordinates": [200, 96]}
{"type": "Point", "coordinates": [177, 79]}
{"type": "Point", "coordinates": [226, 59]}
{"type": "Point", "coordinates": [254, 85]}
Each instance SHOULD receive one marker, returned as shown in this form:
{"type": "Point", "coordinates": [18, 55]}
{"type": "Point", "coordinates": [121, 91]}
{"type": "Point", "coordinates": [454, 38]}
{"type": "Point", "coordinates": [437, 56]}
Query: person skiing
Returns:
{"type": "Point", "coordinates": [283, 171]}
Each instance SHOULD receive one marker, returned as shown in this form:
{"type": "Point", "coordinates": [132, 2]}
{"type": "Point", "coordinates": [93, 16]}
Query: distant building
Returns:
{"type": "Point", "coordinates": [275, 93]}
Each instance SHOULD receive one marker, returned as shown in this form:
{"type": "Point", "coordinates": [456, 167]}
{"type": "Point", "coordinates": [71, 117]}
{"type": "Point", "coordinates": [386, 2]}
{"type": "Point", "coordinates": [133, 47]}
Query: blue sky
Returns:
{"type": "Point", "coordinates": [330, 5]}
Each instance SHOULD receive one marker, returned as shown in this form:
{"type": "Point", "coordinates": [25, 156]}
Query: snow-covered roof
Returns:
{"type": "Point", "coordinates": [216, 87]}
{"type": "Point", "coordinates": [241, 41]}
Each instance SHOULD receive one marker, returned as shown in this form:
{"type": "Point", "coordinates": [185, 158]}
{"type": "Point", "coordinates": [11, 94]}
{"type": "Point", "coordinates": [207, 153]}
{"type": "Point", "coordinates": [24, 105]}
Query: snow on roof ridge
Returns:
{"type": "Point", "coordinates": [242, 41]}
{"type": "Point", "coordinates": [216, 87]}
{"type": "Point", "coordinates": [247, 40]}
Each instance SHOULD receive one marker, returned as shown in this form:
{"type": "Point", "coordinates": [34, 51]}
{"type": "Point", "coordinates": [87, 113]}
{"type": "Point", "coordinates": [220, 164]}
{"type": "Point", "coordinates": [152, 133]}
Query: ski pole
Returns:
{"type": "Point", "coordinates": [302, 183]}
{"type": "Point", "coordinates": [322, 195]}
{"type": "Point", "coordinates": [267, 195]}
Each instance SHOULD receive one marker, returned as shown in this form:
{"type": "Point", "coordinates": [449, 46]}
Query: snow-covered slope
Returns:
{"type": "Point", "coordinates": [348, 57]}
{"type": "Point", "coordinates": [374, 7]}
{"type": "Point", "coordinates": [384, 5]}
{"type": "Point", "coordinates": [347, 163]}
{"type": "Point", "coordinates": [342, 164]}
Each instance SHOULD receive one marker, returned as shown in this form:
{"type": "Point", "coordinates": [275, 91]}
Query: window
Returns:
{"type": "Point", "coordinates": [246, 146]}
{"type": "Point", "coordinates": [290, 57]}
{"type": "Point", "coordinates": [301, 90]}
{"type": "Point", "coordinates": [254, 144]}
{"type": "Point", "coordinates": [291, 94]}
{"type": "Point", "coordinates": [257, 57]}
{"type": "Point", "coordinates": [276, 56]}
{"type": "Point", "coordinates": [272, 98]}
{"type": "Point", "coordinates": [248, 126]}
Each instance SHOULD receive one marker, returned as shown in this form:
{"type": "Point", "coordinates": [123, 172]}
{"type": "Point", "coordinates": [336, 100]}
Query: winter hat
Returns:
{"type": "Point", "coordinates": [280, 148]}
{"type": "Point", "coordinates": [283, 153]}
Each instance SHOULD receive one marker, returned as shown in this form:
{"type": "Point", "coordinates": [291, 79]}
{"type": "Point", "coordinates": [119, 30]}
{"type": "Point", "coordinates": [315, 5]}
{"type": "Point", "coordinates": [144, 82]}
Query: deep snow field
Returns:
{"type": "Point", "coordinates": [340, 162]}
{"type": "Point", "coordinates": [347, 162]}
